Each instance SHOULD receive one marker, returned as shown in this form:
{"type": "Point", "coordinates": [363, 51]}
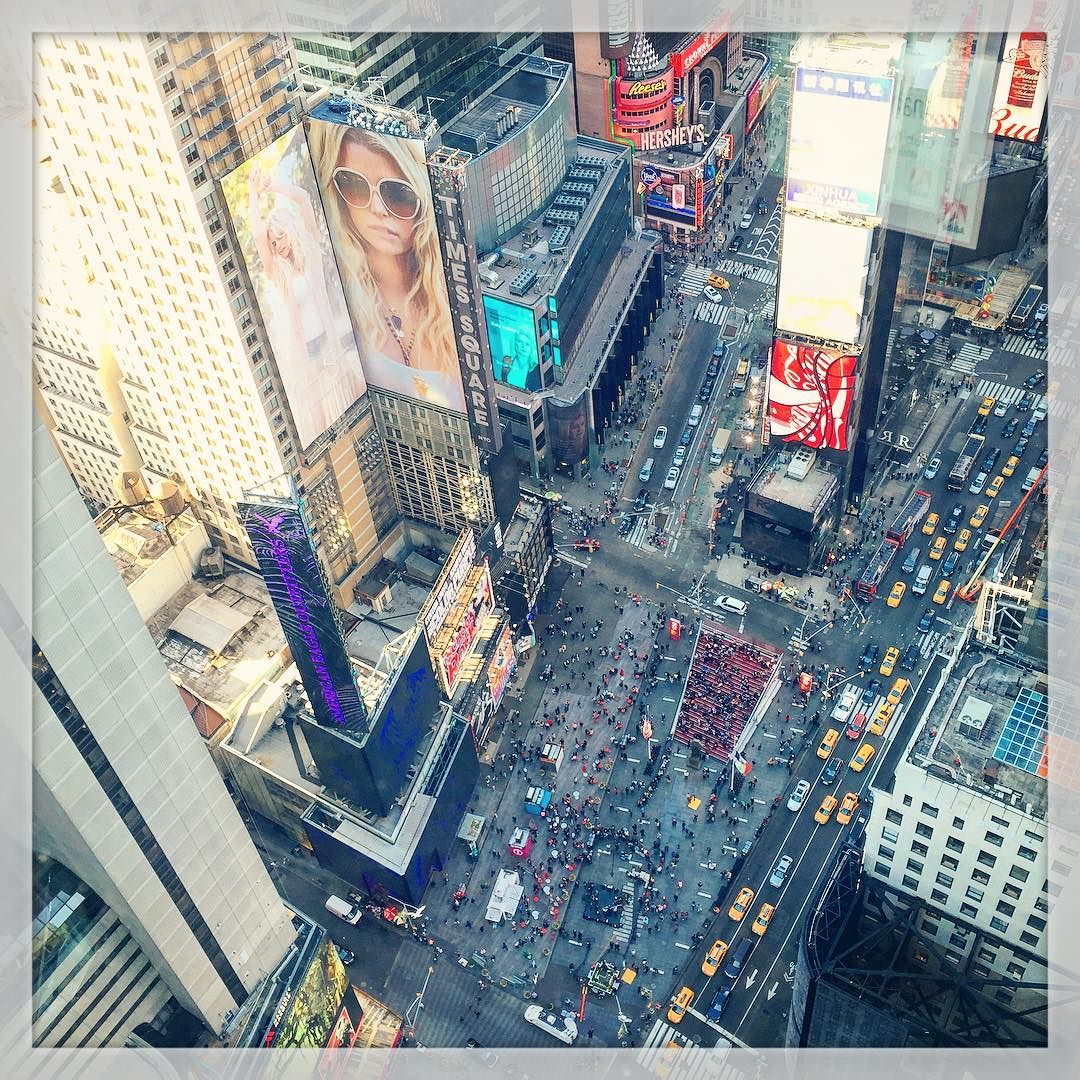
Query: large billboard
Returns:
{"type": "Point", "coordinates": [459, 255]}
{"type": "Point", "coordinates": [278, 219]}
{"type": "Point", "coordinates": [381, 216]}
{"type": "Point", "coordinates": [811, 391]}
{"type": "Point", "coordinates": [823, 271]}
{"type": "Point", "coordinates": [455, 570]}
{"type": "Point", "coordinates": [1020, 97]}
{"type": "Point", "coordinates": [302, 602]}
{"type": "Point", "coordinates": [839, 132]}
{"type": "Point", "coordinates": [511, 331]}
{"type": "Point", "coordinates": [502, 666]}
{"type": "Point", "coordinates": [314, 1005]}
{"type": "Point", "coordinates": [459, 634]}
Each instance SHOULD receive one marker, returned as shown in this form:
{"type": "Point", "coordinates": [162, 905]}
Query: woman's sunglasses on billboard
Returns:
{"type": "Point", "coordinates": [398, 196]}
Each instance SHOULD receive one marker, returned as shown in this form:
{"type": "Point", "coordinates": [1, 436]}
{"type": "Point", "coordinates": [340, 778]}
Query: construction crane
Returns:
{"type": "Point", "coordinates": [970, 589]}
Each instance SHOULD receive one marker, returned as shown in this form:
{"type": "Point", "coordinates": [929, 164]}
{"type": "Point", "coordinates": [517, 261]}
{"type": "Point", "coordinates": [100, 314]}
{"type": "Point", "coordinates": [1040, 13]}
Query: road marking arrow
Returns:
{"type": "Point", "coordinates": [750, 978]}
{"type": "Point", "coordinates": [772, 991]}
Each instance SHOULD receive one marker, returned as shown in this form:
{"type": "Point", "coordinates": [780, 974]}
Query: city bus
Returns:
{"type": "Point", "coordinates": [962, 469]}
{"type": "Point", "coordinates": [1021, 314]}
{"type": "Point", "coordinates": [742, 373]}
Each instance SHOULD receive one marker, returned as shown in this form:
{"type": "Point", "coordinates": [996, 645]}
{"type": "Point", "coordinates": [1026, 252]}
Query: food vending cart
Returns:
{"type": "Point", "coordinates": [552, 755]}
{"type": "Point", "coordinates": [521, 843]}
{"type": "Point", "coordinates": [537, 800]}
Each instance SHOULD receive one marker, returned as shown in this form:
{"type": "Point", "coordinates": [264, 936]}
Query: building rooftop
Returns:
{"type": "Point", "coordinates": [251, 654]}
{"type": "Point", "coordinates": [516, 535]}
{"type": "Point", "coordinates": [595, 343]}
{"type": "Point", "coordinates": [775, 482]}
{"type": "Point", "coordinates": [987, 731]}
{"type": "Point", "coordinates": [376, 629]}
{"type": "Point", "coordinates": [541, 253]}
{"type": "Point", "coordinates": [136, 545]}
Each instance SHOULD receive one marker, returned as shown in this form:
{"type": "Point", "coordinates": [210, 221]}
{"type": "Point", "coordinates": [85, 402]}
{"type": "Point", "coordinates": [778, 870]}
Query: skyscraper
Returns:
{"type": "Point", "coordinates": [187, 377]}
{"type": "Point", "coordinates": [125, 795]}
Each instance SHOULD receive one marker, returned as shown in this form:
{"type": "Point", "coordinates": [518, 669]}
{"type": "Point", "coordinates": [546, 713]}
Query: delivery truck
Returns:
{"type": "Point", "coordinates": [350, 913]}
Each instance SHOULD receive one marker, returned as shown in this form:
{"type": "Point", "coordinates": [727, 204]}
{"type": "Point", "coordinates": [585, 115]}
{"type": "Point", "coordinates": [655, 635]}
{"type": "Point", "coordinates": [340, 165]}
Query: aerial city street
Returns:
{"type": "Point", "coordinates": [612, 555]}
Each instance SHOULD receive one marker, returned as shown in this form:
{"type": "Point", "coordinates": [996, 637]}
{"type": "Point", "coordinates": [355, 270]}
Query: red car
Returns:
{"type": "Point", "coordinates": [855, 728]}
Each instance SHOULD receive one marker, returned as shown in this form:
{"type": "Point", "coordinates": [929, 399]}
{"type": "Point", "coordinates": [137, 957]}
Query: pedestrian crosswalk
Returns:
{"type": "Point", "coordinates": [970, 356]}
{"type": "Point", "coordinates": [709, 312]}
{"type": "Point", "coordinates": [693, 279]}
{"type": "Point", "coordinates": [765, 275]}
{"type": "Point", "coordinates": [626, 923]}
{"type": "Point", "coordinates": [1002, 392]}
{"type": "Point", "coordinates": [661, 1035]}
{"type": "Point", "coordinates": [1025, 346]}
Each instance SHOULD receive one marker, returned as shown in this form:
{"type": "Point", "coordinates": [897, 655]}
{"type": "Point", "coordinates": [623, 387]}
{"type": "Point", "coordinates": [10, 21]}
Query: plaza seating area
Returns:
{"type": "Point", "coordinates": [728, 674]}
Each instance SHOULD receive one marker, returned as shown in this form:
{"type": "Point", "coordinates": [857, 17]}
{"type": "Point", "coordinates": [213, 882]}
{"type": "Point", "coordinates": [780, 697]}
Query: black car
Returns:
{"type": "Point", "coordinates": [871, 690]}
{"type": "Point", "coordinates": [1023, 404]}
{"type": "Point", "coordinates": [1021, 446]}
{"type": "Point", "coordinates": [762, 206]}
{"type": "Point", "coordinates": [991, 460]}
{"type": "Point", "coordinates": [736, 243]}
{"type": "Point", "coordinates": [1034, 380]}
{"type": "Point", "coordinates": [687, 435]}
{"type": "Point", "coordinates": [1044, 457]}
{"type": "Point", "coordinates": [835, 764]}
{"type": "Point", "coordinates": [979, 427]}
{"type": "Point", "coordinates": [909, 661]}
{"type": "Point", "coordinates": [642, 499]}
{"type": "Point", "coordinates": [713, 369]}
{"type": "Point", "coordinates": [869, 655]}
{"type": "Point", "coordinates": [1028, 429]}
{"type": "Point", "coordinates": [1009, 430]}
{"type": "Point", "coordinates": [706, 390]}
{"type": "Point", "coordinates": [926, 621]}
{"type": "Point", "coordinates": [952, 523]}
{"type": "Point", "coordinates": [949, 565]}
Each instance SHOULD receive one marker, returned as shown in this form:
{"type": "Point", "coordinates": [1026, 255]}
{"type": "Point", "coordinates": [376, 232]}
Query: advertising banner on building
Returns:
{"type": "Point", "coordinates": [568, 431]}
{"type": "Point", "coordinates": [455, 570]}
{"type": "Point", "coordinates": [462, 277]}
{"type": "Point", "coordinates": [687, 59]}
{"type": "Point", "coordinates": [381, 216]}
{"type": "Point", "coordinates": [278, 219]}
{"type": "Point", "coordinates": [823, 271]}
{"type": "Point", "coordinates": [759, 95]}
{"type": "Point", "coordinates": [315, 1005]}
{"type": "Point", "coordinates": [511, 332]}
{"type": "Point", "coordinates": [303, 606]}
{"type": "Point", "coordinates": [502, 667]}
{"type": "Point", "coordinates": [839, 132]}
{"type": "Point", "coordinates": [459, 633]}
{"type": "Point", "coordinates": [1020, 97]}
{"type": "Point", "coordinates": [811, 391]}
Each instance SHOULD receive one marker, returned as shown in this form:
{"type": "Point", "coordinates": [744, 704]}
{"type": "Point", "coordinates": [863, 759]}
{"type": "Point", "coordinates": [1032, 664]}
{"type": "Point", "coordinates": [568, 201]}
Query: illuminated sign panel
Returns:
{"type": "Point", "coordinates": [277, 216]}
{"type": "Point", "coordinates": [665, 138]}
{"type": "Point", "coordinates": [511, 332]}
{"type": "Point", "coordinates": [456, 569]}
{"type": "Point", "coordinates": [823, 269]}
{"type": "Point", "coordinates": [461, 273]}
{"type": "Point", "coordinates": [695, 52]}
{"type": "Point", "coordinates": [316, 1004]}
{"type": "Point", "coordinates": [455, 642]}
{"type": "Point", "coordinates": [1021, 92]}
{"type": "Point", "coordinates": [810, 395]}
{"type": "Point", "coordinates": [502, 666]}
{"type": "Point", "coordinates": [302, 602]}
{"type": "Point", "coordinates": [379, 208]}
{"type": "Point", "coordinates": [839, 132]}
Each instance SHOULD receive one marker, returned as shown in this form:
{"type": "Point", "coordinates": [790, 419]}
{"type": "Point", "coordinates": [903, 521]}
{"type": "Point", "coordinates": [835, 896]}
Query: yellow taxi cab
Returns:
{"type": "Point", "coordinates": [929, 526]}
{"type": "Point", "coordinates": [963, 538]}
{"type": "Point", "coordinates": [718, 282]}
{"type": "Point", "coordinates": [888, 662]}
{"type": "Point", "coordinates": [987, 406]}
{"type": "Point", "coordinates": [742, 902]}
{"type": "Point", "coordinates": [862, 757]}
{"type": "Point", "coordinates": [680, 1005]}
{"type": "Point", "coordinates": [979, 516]}
{"type": "Point", "coordinates": [882, 718]}
{"type": "Point", "coordinates": [994, 487]}
{"type": "Point", "coordinates": [896, 692]}
{"type": "Point", "coordinates": [764, 916]}
{"type": "Point", "coordinates": [827, 744]}
{"type": "Point", "coordinates": [847, 808]}
{"type": "Point", "coordinates": [937, 549]}
{"type": "Point", "coordinates": [1010, 466]}
{"type": "Point", "coordinates": [824, 811]}
{"type": "Point", "coordinates": [897, 594]}
{"type": "Point", "coordinates": [941, 593]}
{"type": "Point", "coordinates": [713, 958]}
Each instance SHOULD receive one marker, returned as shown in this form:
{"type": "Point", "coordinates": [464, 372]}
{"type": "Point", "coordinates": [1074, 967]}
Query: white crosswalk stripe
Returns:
{"type": "Point", "coordinates": [1001, 392]}
{"type": "Point", "coordinates": [970, 356]}
{"type": "Point", "coordinates": [1022, 344]}
{"type": "Point", "coordinates": [626, 921]}
{"type": "Point", "coordinates": [659, 1036]}
{"type": "Point", "coordinates": [710, 312]}
{"type": "Point", "coordinates": [766, 275]}
{"type": "Point", "coordinates": [929, 644]}
{"type": "Point", "coordinates": [693, 279]}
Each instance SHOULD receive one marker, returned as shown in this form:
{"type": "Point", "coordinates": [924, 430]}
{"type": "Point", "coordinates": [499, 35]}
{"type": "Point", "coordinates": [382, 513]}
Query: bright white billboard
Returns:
{"type": "Point", "coordinates": [823, 270]}
{"type": "Point", "coordinates": [278, 219]}
{"type": "Point", "coordinates": [1021, 88]}
{"type": "Point", "coordinates": [839, 131]}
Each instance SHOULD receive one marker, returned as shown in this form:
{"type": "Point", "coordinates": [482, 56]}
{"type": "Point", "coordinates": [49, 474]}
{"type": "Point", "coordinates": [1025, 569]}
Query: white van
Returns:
{"type": "Point", "coordinates": [926, 572]}
{"type": "Point", "coordinates": [1029, 480]}
{"type": "Point", "coordinates": [732, 604]}
{"type": "Point", "coordinates": [343, 909]}
{"type": "Point", "coordinates": [695, 416]}
{"type": "Point", "coordinates": [1040, 412]}
{"type": "Point", "coordinates": [646, 470]}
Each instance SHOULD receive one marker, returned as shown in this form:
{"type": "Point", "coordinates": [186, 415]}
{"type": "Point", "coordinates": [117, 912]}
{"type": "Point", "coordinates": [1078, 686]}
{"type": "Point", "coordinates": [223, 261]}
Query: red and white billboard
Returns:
{"type": "Point", "coordinates": [1020, 97]}
{"type": "Point", "coordinates": [695, 52]}
{"type": "Point", "coordinates": [811, 391]}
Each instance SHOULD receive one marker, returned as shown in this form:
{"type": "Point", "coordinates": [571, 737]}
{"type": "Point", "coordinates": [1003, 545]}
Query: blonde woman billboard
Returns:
{"type": "Point", "coordinates": [377, 196]}
{"type": "Point", "coordinates": [278, 219]}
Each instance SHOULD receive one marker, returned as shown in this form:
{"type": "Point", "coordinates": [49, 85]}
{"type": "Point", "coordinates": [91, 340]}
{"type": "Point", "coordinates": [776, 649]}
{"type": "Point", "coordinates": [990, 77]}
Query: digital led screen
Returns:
{"type": "Point", "coordinates": [502, 666]}
{"type": "Point", "coordinates": [511, 333]}
{"type": "Point", "coordinates": [811, 391]}
{"type": "Point", "coordinates": [303, 606]}
{"type": "Point", "coordinates": [839, 131]}
{"type": "Point", "coordinates": [315, 1004]}
{"type": "Point", "coordinates": [381, 217]}
{"type": "Point", "coordinates": [823, 268]}
{"type": "Point", "coordinates": [277, 216]}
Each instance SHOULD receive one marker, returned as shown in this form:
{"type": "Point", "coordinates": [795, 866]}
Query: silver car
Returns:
{"type": "Point", "coordinates": [783, 865]}
{"type": "Point", "coordinates": [798, 796]}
